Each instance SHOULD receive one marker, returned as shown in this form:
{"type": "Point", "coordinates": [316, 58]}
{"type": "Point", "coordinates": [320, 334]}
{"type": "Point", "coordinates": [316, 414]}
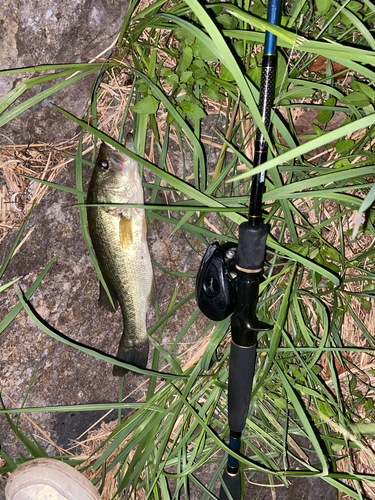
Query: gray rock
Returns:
{"type": "Point", "coordinates": [53, 32]}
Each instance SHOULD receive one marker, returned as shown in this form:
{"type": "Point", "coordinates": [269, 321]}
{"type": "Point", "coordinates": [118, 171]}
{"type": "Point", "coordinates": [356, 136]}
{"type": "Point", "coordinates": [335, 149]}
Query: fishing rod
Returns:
{"type": "Point", "coordinates": [228, 278]}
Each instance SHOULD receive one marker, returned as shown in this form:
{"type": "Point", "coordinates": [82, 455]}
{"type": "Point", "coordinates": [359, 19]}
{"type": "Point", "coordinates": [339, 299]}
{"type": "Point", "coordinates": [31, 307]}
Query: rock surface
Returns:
{"type": "Point", "coordinates": [53, 32]}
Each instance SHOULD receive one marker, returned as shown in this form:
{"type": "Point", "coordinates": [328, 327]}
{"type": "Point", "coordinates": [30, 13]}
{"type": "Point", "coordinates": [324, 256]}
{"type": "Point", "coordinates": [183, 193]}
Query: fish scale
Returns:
{"type": "Point", "coordinates": [119, 238]}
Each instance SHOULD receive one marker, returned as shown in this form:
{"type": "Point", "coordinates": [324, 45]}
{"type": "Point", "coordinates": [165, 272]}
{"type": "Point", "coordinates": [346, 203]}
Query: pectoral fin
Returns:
{"type": "Point", "coordinates": [150, 231]}
{"type": "Point", "coordinates": [151, 298]}
{"type": "Point", "coordinates": [126, 232]}
{"type": "Point", "coordinates": [147, 231]}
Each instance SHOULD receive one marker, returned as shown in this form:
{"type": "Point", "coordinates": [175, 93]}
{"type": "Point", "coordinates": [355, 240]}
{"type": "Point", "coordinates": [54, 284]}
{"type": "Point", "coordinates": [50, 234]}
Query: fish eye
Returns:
{"type": "Point", "coordinates": [103, 165]}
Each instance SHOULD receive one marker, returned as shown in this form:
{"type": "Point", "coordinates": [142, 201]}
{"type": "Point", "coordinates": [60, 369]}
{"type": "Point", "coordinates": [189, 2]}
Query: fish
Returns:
{"type": "Point", "coordinates": [119, 239]}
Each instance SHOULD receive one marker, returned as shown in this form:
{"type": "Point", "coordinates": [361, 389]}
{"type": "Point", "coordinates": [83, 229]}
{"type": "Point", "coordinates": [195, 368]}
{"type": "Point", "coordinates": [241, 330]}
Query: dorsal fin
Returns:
{"type": "Point", "coordinates": [129, 142]}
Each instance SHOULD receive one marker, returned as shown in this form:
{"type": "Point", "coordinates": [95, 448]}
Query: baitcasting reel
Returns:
{"type": "Point", "coordinates": [228, 280]}
{"type": "Point", "coordinates": [215, 290]}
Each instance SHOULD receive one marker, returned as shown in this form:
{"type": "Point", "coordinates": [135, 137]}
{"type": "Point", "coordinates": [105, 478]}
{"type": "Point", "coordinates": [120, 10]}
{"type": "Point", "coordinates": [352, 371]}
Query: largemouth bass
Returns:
{"type": "Point", "coordinates": [119, 238]}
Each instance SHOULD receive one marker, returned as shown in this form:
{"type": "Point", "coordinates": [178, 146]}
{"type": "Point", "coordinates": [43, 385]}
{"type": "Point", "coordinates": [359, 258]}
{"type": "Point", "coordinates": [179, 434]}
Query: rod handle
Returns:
{"type": "Point", "coordinates": [234, 485]}
{"type": "Point", "coordinates": [241, 374]}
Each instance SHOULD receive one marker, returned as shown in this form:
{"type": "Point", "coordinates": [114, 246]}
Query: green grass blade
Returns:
{"type": "Point", "coordinates": [15, 243]}
{"type": "Point", "coordinates": [17, 308]}
{"type": "Point", "coordinates": [53, 185]}
{"type": "Point", "coordinates": [276, 334]}
{"type": "Point", "coordinates": [88, 350]}
{"type": "Point", "coordinates": [305, 419]}
{"type": "Point", "coordinates": [17, 110]}
{"type": "Point", "coordinates": [15, 93]}
{"type": "Point", "coordinates": [86, 407]}
{"type": "Point", "coordinates": [309, 146]}
{"type": "Point", "coordinates": [4, 287]}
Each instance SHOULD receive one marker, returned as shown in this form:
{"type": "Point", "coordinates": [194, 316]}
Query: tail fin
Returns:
{"type": "Point", "coordinates": [136, 355]}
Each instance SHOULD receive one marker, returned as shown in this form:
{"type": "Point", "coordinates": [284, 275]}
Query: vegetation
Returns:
{"type": "Point", "coordinates": [187, 60]}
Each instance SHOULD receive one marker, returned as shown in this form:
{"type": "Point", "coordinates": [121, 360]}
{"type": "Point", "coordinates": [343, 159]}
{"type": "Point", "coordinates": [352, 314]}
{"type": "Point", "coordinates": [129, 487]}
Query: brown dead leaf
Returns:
{"type": "Point", "coordinates": [338, 366]}
{"type": "Point", "coordinates": [320, 63]}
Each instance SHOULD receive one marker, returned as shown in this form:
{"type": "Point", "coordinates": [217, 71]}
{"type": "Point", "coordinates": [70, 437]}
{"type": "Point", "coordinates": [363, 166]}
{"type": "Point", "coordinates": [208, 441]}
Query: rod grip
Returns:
{"type": "Point", "coordinates": [241, 374]}
{"type": "Point", "coordinates": [251, 248]}
{"type": "Point", "coordinates": [234, 485]}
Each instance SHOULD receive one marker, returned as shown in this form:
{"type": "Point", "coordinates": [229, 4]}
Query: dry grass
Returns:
{"type": "Point", "coordinates": [17, 194]}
